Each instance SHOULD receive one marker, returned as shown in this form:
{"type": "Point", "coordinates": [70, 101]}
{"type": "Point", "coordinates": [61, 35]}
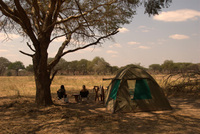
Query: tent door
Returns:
{"type": "Point", "coordinates": [142, 90]}
{"type": "Point", "coordinates": [114, 90]}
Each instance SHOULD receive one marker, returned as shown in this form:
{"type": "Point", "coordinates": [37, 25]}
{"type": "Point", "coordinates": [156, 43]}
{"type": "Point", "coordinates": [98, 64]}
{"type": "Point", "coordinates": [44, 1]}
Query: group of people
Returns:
{"type": "Point", "coordinates": [61, 93]}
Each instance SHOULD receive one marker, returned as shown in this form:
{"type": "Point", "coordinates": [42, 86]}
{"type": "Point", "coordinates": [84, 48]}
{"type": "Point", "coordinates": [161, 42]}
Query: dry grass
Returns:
{"type": "Point", "coordinates": [25, 85]}
{"type": "Point", "coordinates": [75, 82]}
{"type": "Point", "coordinates": [19, 114]}
{"type": "Point", "coordinates": [17, 86]}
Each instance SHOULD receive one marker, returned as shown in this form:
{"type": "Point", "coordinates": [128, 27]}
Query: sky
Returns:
{"type": "Point", "coordinates": [174, 34]}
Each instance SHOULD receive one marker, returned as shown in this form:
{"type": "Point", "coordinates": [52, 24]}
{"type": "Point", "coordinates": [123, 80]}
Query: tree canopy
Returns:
{"type": "Point", "coordinates": [16, 66]}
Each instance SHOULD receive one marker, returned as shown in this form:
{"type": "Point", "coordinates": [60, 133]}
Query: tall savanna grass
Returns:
{"type": "Point", "coordinates": [13, 85]}
{"type": "Point", "coordinates": [25, 85]}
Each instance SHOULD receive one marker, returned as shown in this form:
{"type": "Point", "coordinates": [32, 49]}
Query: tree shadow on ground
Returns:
{"type": "Point", "coordinates": [23, 116]}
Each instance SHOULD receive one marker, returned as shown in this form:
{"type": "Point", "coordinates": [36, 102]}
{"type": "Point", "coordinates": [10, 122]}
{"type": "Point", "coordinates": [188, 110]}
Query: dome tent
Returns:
{"type": "Point", "coordinates": [133, 89]}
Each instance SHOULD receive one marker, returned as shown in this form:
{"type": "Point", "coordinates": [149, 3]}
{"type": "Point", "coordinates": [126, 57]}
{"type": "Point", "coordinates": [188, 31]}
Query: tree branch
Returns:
{"type": "Point", "coordinates": [53, 75]}
{"type": "Point", "coordinates": [57, 37]}
{"type": "Point", "coordinates": [36, 15]}
{"type": "Point", "coordinates": [84, 13]}
{"type": "Point", "coordinates": [67, 32]}
{"type": "Point", "coordinates": [91, 44]}
{"type": "Point", "coordinates": [80, 11]}
{"type": "Point", "coordinates": [9, 12]}
{"type": "Point", "coordinates": [59, 53]}
{"type": "Point", "coordinates": [49, 14]}
{"type": "Point", "coordinates": [57, 9]}
{"type": "Point", "coordinates": [31, 55]}
{"type": "Point", "coordinates": [26, 24]}
{"type": "Point", "coordinates": [30, 47]}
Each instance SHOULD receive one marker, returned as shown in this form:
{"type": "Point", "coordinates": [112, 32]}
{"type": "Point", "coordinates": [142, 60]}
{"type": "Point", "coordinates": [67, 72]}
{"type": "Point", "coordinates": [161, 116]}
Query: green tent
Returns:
{"type": "Point", "coordinates": [133, 89]}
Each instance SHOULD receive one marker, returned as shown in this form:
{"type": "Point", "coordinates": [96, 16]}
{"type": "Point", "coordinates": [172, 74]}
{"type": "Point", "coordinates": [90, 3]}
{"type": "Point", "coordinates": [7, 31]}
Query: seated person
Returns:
{"type": "Point", "coordinates": [84, 92]}
{"type": "Point", "coordinates": [61, 92]}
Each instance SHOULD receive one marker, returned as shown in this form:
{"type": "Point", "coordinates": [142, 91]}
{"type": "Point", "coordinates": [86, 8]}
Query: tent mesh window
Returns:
{"type": "Point", "coordinates": [131, 87]}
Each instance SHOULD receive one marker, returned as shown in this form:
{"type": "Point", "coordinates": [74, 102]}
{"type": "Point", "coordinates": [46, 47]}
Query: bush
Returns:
{"type": "Point", "coordinates": [182, 83]}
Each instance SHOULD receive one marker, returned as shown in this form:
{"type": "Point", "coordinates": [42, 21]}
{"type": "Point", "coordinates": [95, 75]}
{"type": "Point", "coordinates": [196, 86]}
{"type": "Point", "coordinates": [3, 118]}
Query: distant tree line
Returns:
{"type": "Point", "coordinates": [97, 66]}
{"type": "Point", "coordinates": [169, 66]}
{"type": "Point", "coordinates": [10, 68]}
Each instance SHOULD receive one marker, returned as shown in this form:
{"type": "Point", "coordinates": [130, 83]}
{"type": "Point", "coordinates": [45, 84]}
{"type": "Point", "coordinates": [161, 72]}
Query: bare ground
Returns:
{"type": "Point", "coordinates": [20, 115]}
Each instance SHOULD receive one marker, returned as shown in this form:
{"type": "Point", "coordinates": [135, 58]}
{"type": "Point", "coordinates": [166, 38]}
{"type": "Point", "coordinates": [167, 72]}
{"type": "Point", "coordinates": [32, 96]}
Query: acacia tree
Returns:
{"type": "Point", "coordinates": [17, 65]}
{"type": "Point", "coordinates": [83, 23]}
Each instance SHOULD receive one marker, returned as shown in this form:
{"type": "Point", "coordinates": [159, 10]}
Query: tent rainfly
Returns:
{"type": "Point", "coordinates": [133, 89]}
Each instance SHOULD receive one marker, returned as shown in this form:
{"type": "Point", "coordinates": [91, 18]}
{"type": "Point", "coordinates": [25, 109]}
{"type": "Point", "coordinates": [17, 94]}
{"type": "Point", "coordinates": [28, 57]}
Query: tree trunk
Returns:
{"type": "Point", "coordinates": [42, 78]}
{"type": "Point", "coordinates": [43, 92]}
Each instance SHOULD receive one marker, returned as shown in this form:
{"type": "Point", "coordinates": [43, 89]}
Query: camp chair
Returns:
{"type": "Point", "coordinates": [96, 90]}
{"type": "Point", "coordinates": [84, 96]}
{"type": "Point", "coordinates": [102, 94]}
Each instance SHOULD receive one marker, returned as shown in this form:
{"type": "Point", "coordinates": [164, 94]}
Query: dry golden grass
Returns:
{"type": "Point", "coordinates": [13, 85]}
{"type": "Point", "coordinates": [25, 85]}
{"type": "Point", "coordinates": [76, 82]}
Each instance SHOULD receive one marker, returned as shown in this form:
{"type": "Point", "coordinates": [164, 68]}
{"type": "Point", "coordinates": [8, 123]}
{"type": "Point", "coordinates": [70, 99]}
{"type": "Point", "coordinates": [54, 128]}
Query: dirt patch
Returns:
{"type": "Point", "coordinates": [21, 115]}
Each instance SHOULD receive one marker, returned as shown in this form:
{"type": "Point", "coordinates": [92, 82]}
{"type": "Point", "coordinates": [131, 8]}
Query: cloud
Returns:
{"type": "Point", "coordinates": [179, 37]}
{"type": "Point", "coordinates": [111, 52]}
{"type": "Point", "coordinates": [161, 41]}
{"type": "Point", "coordinates": [158, 42]}
{"type": "Point", "coordinates": [178, 15]}
{"type": "Point", "coordinates": [145, 29]}
{"type": "Point", "coordinates": [3, 50]}
{"type": "Point", "coordinates": [144, 47]}
{"type": "Point", "coordinates": [141, 27]}
{"type": "Point", "coordinates": [114, 56]}
{"type": "Point", "coordinates": [123, 30]}
{"type": "Point", "coordinates": [134, 43]}
{"type": "Point", "coordinates": [115, 45]}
